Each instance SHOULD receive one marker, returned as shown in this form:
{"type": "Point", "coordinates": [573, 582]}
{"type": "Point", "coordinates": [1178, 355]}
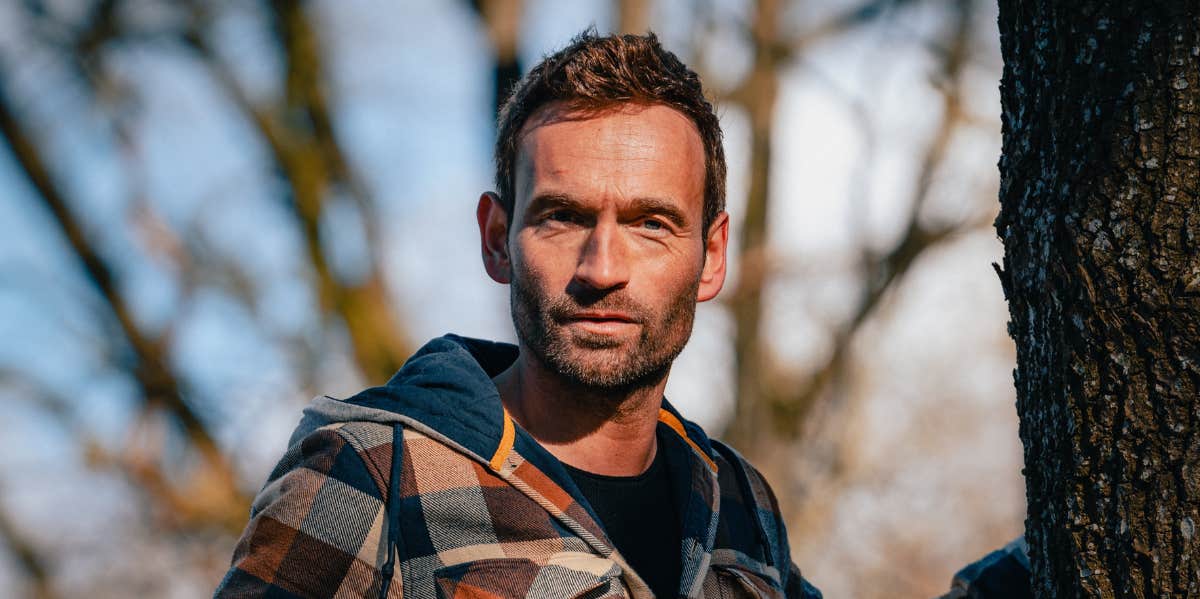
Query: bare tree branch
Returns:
{"type": "Point", "coordinates": [302, 142]}
{"type": "Point", "coordinates": [863, 14]}
{"type": "Point", "coordinates": [306, 89]}
{"type": "Point", "coordinates": [380, 343]}
{"type": "Point", "coordinates": [99, 27]}
{"type": "Point", "coordinates": [774, 405]}
{"type": "Point", "coordinates": [160, 389]}
{"type": "Point", "coordinates": [792, 399]}
{"type": "Point", "coordinates": [33, 563]}
{"type": "Point", "coordinates": [158, 383]}
{"type": "Point", "coordinates": [758, 404]}
{"type": "Point", "coordinates": [883, 271]}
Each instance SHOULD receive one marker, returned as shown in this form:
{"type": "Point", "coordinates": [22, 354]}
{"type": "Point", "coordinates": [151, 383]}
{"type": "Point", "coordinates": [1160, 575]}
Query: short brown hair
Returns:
{"type": "Point", "coordinates": [595, 73]}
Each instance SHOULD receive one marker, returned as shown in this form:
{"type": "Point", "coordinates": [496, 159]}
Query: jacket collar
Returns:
{"type": "Point", "coordinates": [445, 389]}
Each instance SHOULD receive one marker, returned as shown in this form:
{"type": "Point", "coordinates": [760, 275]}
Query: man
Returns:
{"type": "Point", "coordinates": [554, 468]}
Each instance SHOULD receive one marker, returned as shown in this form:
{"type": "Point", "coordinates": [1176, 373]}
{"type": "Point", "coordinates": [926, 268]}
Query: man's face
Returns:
{"type": "Point", "coordinates": [606, 253]}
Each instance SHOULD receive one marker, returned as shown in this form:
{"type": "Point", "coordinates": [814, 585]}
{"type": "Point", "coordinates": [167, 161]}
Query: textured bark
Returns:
{"type": "Point", "coordinates": [1100, 217]}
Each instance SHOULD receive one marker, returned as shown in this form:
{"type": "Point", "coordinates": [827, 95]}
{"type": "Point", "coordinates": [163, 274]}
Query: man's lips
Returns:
{"type": "Point", "coordinates": [603, 323]}
{"type": "Point", "coordinates": [599, 317]}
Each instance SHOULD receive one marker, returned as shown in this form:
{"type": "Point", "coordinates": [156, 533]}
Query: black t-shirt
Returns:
{"type": "Point", "coordinates": [640, 517]}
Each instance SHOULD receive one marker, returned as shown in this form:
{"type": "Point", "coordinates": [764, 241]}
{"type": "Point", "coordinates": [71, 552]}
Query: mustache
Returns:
{"type": "Point", "coordinates": [563, 308]}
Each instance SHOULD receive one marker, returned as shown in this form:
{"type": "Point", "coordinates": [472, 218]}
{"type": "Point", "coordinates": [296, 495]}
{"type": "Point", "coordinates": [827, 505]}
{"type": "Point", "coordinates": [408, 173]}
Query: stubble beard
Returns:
{"type": "Point", "coordinates": [601, 364]}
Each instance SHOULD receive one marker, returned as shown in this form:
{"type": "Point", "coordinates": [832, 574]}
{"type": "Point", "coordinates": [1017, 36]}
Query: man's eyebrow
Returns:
{"type": "Point", "coordinates": [641, 205]}
{"type": "Point", "coordinates": [545, 201]}
{"type": "Point", "coordinates": [661, 206]}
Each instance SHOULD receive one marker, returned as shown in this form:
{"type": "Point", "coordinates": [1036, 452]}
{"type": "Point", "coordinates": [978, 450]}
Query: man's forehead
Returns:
{"type": "Point", "coordinates": [564, 114]}
{"type": "Point", "coordinates": [648, 144]}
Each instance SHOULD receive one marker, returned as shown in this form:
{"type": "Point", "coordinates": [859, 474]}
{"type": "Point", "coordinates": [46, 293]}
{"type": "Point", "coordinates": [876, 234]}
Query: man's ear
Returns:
{"type": "Point", "coordinates": [712, 277]}
{"type": "Point", "coordinates": [493, 237]}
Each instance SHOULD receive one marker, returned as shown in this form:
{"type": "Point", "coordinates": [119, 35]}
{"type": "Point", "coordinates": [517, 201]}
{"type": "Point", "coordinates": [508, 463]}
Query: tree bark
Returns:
{"type": "Point", "coordinates": [1100, 218]}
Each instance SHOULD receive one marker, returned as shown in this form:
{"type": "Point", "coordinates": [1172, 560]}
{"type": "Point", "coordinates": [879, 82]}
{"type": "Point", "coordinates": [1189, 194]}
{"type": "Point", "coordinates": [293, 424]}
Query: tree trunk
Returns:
{"type": "Point", "coordinates": [750, 429]}
{"type": "Point", "coordinates": [1100, 217]}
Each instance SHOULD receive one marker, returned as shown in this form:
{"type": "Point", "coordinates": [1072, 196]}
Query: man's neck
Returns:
{"type": "Point", "coordinates": [598, 431]}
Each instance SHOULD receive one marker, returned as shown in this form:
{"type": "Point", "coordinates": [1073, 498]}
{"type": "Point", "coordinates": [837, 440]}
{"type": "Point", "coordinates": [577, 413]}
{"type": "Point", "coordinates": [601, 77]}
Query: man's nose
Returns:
{"type": "Point", "coordinates": [603, 264]}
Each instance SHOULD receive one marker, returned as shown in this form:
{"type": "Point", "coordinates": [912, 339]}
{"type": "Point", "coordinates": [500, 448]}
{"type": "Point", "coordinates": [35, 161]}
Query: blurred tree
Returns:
{"type": "Point", "coordinates": [502, 19]}
{"type": "Point", "coordinates": [775, 400]}
{"type": "Point", "coordinates": [212, 494]}
{"type": "Point", "coordinates": [1100, 217]}
{"type": "Point", "coordinates": [299, 130]}
{"type": "Point", "coordinates": [633, 16]}
{"type": "Point", "coordinates": [28, 558]}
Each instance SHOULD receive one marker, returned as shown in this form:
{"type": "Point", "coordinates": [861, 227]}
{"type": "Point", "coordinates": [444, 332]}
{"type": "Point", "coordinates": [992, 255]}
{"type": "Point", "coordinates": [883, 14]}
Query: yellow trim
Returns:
{"type": "Point", "coordinates": [670, 420]}
{"type": "Point", "coordinates": [506, 444]}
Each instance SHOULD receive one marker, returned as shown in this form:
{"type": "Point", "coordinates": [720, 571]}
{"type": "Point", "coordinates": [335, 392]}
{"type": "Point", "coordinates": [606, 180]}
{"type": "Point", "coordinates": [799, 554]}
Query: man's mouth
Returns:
{"type": "Point", "coordinates": [601, 322]}
{"type": "Point", "coordinates": [591, 316]}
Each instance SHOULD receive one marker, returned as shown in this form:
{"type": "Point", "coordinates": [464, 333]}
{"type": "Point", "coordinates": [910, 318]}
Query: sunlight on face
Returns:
{"type": "Point", "coordinates": [607, 242]}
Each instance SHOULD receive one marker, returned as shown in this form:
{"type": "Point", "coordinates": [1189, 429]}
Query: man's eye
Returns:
{"type": "Point", "coordinates": [562, 216]}
{"type": "Point", "coordinates": [653, 225]}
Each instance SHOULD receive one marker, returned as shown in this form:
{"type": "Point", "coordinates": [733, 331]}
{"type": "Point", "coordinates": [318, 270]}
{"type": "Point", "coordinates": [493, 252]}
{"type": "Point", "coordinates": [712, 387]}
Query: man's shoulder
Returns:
{"type": "Point", "coordinates": [362, 437]}
{"type": "Point", "coordinates": [356, 453]}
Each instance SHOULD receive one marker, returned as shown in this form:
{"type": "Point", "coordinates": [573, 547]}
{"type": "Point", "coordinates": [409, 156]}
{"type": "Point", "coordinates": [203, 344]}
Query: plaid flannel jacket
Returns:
{"type": "Point", "coordinates": [426, 488]}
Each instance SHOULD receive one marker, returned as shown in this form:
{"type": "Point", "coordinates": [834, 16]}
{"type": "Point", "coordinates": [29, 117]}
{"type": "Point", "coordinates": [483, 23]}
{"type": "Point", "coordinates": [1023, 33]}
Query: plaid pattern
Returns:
{"type": "Point", "coordinates": [483, 510]}
{"type": "Point", "coordinates": [316, 526]}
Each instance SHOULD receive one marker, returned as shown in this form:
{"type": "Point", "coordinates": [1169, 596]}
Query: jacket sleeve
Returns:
{"type": "Point", "coordinates": [798, 587]}
{"type": "Point", "coordinates": [1003, 573]}
{"type": "Point", "coordinates": [315, 528]}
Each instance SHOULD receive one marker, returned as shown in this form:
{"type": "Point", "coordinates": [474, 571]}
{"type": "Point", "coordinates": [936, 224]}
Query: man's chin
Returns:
{"type": "Point", "coordinates": [596, 362]}
{"type": "Point", "coordinates": [596, 342]}
{"type": "Point", "coordinates": [605, 379]}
